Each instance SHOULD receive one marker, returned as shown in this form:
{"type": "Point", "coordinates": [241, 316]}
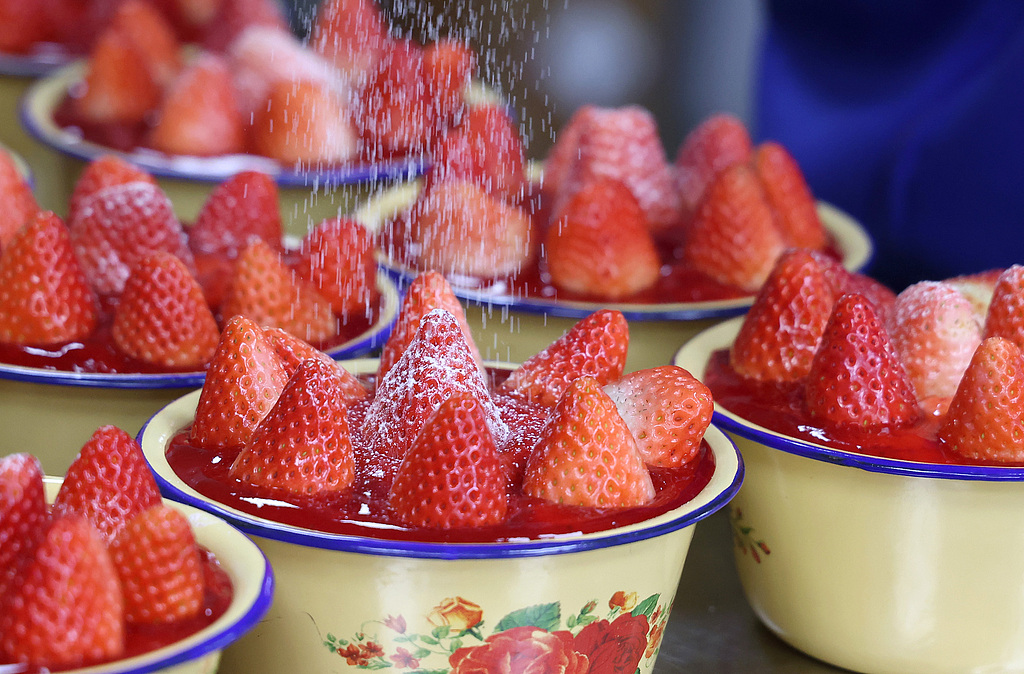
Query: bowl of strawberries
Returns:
{"type": "Point", "coordinates": [432, 511]}
{"type": "Point", "coordinates": [100, 574]}
{"type": "Point", "coordinates": [875, 527]}
{"type": "Point", "coordinates": [112, 311]}
{"type": "Point", "coordinates": [329, 118]}
{"type": "Point", "coordinates": [607, 220]}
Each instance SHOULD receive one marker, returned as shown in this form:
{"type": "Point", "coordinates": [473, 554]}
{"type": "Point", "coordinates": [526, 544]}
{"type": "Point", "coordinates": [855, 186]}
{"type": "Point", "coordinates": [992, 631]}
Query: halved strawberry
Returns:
{"type": "Point", "coordinates": [428, 291]}
{"type": "Point", "coordinates": [150, 31]}
{"type": "Point", "coordinates": [199, 114]}
{"type": "Point", "coordinates": [294, 351]}
{"type": "Point", "coordinates": [733, 237]}
{"type": "Point", "coordinates": [587, 455]}
{"type": "Point", "coordinates": [303, 445]}
{"type": "Point", "coordinates": [243, 381]}
{"type": "Point", "coordinates": [458, 228]}
{"type": "Point", "coordinates": [45, 297]}
{"type": "Point", "coordinates": [984, 419]}
{"type": "Point", "coordinates": [24, 514]}
{"type": "Point", "coordinates": [305, 122]}
{"type": "Point", "coordinates": [118, 226]}
{"type": "Point", "coordinates": [118, 86]}
{"type": "Point", "coordinates": [65, 609]}
{"type": "Point", "coordinates": [436, 365]}
{"type": "Point", "coordinates": [452, 476]}
{"type": "Point", "coordinates": [796, 213]}
{"type": "Point", "coordinates": [595, 347]}
{"type": "Point", "coordinates": [159, 565]}
{"type": "Point", "coordinates": [1005, 317]}
{"type": "Point", "coordinates": [162, 317]}
{"type": "Point", "coordinates": [781, 331]}
{"type": "Point", "coordinates": [715, 144]}
{"type": "Point", "coordinates": [108, 482]}
{"type": "Point", "coordinates": [17, 202]}
{"type": "Point", "coordinates": [245, 206]}
{"type": "Point", "coordinates": [395, 115]}
{"type": "Point", "coordinates": [666, 409]}
{"type": "Point", "coordinates": [485, 148]}
{"type": "Point", "coordinates": [352, 34]}
{"type": "Point", "coordinates": [233, 17]}
{"type": "Point", "coordinates": [856, 378]}
{"type": "Point", "coordinates": [264, 289]}
{"type": "Point", "coordinates": [935, 333]}
{"type": "Point", "coordinates": [450, 66]}
{"type": "Point", "coordinates": [105, 171]}
{"type": "Point", "coordinates": [337, 258]}
{"type": "Point", "coordinates": [599, 244]}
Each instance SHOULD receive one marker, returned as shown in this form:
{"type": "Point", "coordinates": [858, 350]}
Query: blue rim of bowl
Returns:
{"type": "Point", "coordinates": [693, 357]}
{"type": "Point", "coordinates": [365, 343]}
{"type": "Point", "coordinates": [31, 65]}
{"type": "Point", "coordinates": [45, 94]}
{"type": "Point", "coordinates": [715, 495]}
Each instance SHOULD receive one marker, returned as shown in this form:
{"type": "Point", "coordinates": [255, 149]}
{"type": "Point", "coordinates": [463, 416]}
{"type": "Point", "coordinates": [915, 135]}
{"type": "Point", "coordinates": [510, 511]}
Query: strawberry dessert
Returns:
{"type": "Point", "coordinates": [120, 285]}
{"type": "Point", "coordinates": [108, 571]}
{"type": "Point", "coordinates": [613, 219]}
{"type": "Point", "coordinates": [834, 358]}
{"type": "Point", "coordinates": [430, 444]}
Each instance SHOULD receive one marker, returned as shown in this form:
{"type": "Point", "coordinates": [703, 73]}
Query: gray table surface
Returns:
{"type": "Point", "coordinates": [712, 629]}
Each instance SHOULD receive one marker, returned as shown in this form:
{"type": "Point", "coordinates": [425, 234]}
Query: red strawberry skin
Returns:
{"type": "Point", "coordinates": [118, 86]}
{"type": "Point", "coordinates": [452, 476]}
{"type": "Point", "coordinates": [104, 171]}
{"type": "Point", "coordinates": [984, 419]}
{"type": "Point", "coordinates": [303, 445]}
{"type": "Point", "coordinates": [304, 122]}
{"type": "Point", "coordinates": [244, 206]}
{"type": "Point", "coordinates": [714, 145]}
{"type": "Point", "coordinates": [337, 258]}
{"type": "Point", "coordinates": [24, 514]}
{"type": "Point", "coordinates": [587, 455]}
{"type": "Point", "coordinates": [667, 410]}
{"type": "Point", "coordinates": [856, 377]}
{"type": "Point", "coordinates": [599, 244]}
{"type": "Point", "coordinates": [596, 347]}
{"type": "Point", "coordinates": [790, 196]}
{"type": "Point", "coordinates": [159, 565]}
{"type": "Point", "coordinates": [45, 297]}
{"type": "Point", "coordinates": [485, 148]}
{"type": "Point", "coordinates": [108, 482]}
{"type": "Point", "coordinates": [17, 203]}
{"type": "Point", "coordinates": [1005, 315]}
{"type": "Point", "coordinates": [294, 351]}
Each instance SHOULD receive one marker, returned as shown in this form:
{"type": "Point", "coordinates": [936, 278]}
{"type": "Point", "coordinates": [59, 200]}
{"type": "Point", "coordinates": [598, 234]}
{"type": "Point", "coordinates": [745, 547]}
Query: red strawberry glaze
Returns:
{"type": "Point", "coordinates": [363, 509]}
{"type": "Point", "coordinates": [779, 407]}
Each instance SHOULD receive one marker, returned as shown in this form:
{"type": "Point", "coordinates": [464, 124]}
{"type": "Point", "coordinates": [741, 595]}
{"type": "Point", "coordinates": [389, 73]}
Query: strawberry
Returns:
{"type": "Point", "coordinates": [303, 445]}
{"type": "Point", "coordinates": [883, 298]}
{"type": "Point", "coordinates": [233, 17]}
{"type": "Point", "coordinates": [395, 115]}
{"type": "Point", "coordinates": [796, 212]}
{"type": "Point", "coordinates": [337, 258]}
{"type": "Point", "coordinates": [304, 122]}
{"type": "Point", "coordinates": [162, 317]}
{"type": "Point", "coordinates": [352, 34]}
{"type": "Point", "coordinates": [152, 34]}
{"type": "Point", "coordinates": [485, 148]}
{"type": "Point", "coordinates": [243, 207]}
{"type": "Point", "coordinates": [935, 333]}
{"type": "Point", "coordinates": [118, 226]}
{"type": "Point", "coordinates": [199, 114]}
{"type": "Point", "coordinates": [118, 86]}
{"type": "Point", "coordinates": [452, 476]}
{"type": "Point", "coordinates": [595, 347]}
{"type": "Point", "coordinates": [449, 68]}
{"type": "Point", "coordinates": [984, 418]}
{"type": "Point", "coordinates": [781, 331]}
{"type": "Point", "coordinates": [428, 291]}
{"type": "Point", "coordinates": [159, 565]}
{"type": "Point", "coordinates": [733, 237]}
{"type": "Point", "coordinates": [293, 351]}
{"type": "Point", "coordinates": [24, 514]}
{"type": "Point", "coordinates": [856, 377]}
{"type": "Point", "coordinates": [587, 455]}
{"type": "Point", "coordinates": [265, 289]}
{"type": "Point", "coordinates": [459, 228]}
{"type": "Point", "coordinates": [624, 143]}
{"type": "Point", "coordinates": [105, 171]}
{"type": "Point", "coordinates": [108, 482]}
{"type": "Point", "coordinates": [1005, 316]}
{"type": "Point", "coordinates": [666, 409]}
{"type": "Point", "coordinates": [599, 244]}
{"type": "Point", "coordinates": [17, 203]}
{"type": "Point", "coordinates": [45, 297]}
{"type": "Point", "coordinates": [436, 365]}
{"type": "Point", "coordinates": [978, 289]}
{"type": "Point", "coordinates": [22, 26]}
{"type": "Point", "coordinates": [65, 609]}
{"type": "Point", "coordinates": [718, 142]}
{"type": "Point", "coordinates": [564, 152]}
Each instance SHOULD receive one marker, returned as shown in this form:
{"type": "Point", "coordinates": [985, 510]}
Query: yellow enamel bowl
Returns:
{"type": "Point", "coordinates": [252, 582]}
{"type": "Point", "coordinates": [308, 195]}
{"type": "Point", "coordinates": [52, 413]}
{"type": "Point", "coordinates": [513, 328]}
{"type": "Point", "coordinates": [871, 564]}
{"type": "Point", "coordinates": [398, 605]}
